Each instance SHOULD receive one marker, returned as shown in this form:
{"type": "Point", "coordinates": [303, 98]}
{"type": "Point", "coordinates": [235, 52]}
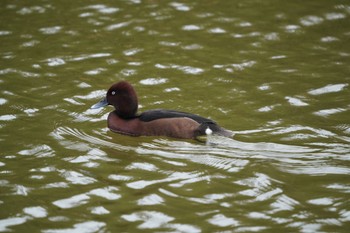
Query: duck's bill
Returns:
{"type": "Point", "coordinates": [100, 104]}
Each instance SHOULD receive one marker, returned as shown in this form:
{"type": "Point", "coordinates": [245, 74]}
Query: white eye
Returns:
{"type": "Point", "coordinates": [113, 93]}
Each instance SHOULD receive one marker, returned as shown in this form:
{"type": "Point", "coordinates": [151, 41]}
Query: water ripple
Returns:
{"type": "Point", "coordinates": [282, 87]}
{"type": "Point", "coordinates": [50, 30]}
{"type": "Point", "coordinates": [311, 20]}
{"type": "Point", "coordinates": [185, 69]}
{"type": "Point", "coordinates": [223, 221]}
{"type": "Point", "coordinates": [103, 9]}
{"type": "Point", "coordinates": [36, 211]}
{"type": "Point", "coordinates": [12, 221]}
{"type": "Point", "coordinates": [328, 89]}
{"type": "Point", "coordinates": [88, 226]}
{"type": "Point", "coordinates": [61, 132]}
{"type": "Point", "coordinates": [24, 74]}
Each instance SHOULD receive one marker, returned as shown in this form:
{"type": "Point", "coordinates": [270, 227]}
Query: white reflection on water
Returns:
{"type": "Point", "coordinates": [321, 201]}
{"type": "Point", "coordinates": [95, 71]}
{"type": "Point", "coordinates": [2, 33]}
{"type": "Point", "coordinates": [151, 219]}
{"type": "Point", "coordinates": [223, 221]}
{"type": "Point", "coordinates": [32, 9]}
{"type": "Point", "coordinates": [340, 187]}
{"type": "Point", "coordinates": [217, 30]}
{"type": "Point", "coordinates": [99, 210]}
{"type": "Point", "coordinates": [119, 177]}
{"type": "Point", "coordinates": [152, 199]}
{"type": "Point", "coordinates": [88, 56]}
{"type": "Point", "coordinates": [107, 193]}
{"type": "Point", "coordinates": [311, 20]}
{"type": "Point", "coordinates": [8, 117]}
{"type": "Point", "coordinates": [153, 81]}
{"type": "Point", "coordinates": [295, 101]}
{"type": "Point", "coordinates": [335, 16]}
{"type": "Point", "coordinates": [2, 101]}
{"type": "Point", "coordinates": [86, 227]}
{"type": "Point", "coordinates": [55, 61]}
{"type": "Point", "coordinates": [102, 8]}
{"type": "Point", "coordinates": [76, 177]}
{"type": "Point", "coordinates": [21, 190]}
{"type": "Point", "coordinates": [312, 169]}
{"type": "Point", "coordinates": [180, 6]}
{"type": "Point", "coordinates": [235, 67]}
{"type": "Point", "coordinates": [142, 166]}
{"type": "Point", "coordinates": [176, 176]}
{"type": "Point", "coordinates": [328, 89]}
{"type": "Point", "coordinates": [191, 27]}
{"type": "Point", "coordinates": [73, 201]}
{"type": "Point", "coordinates": [185, 69]}
{"type": "Point", "coordinates": [38, 151]}
{"type": "Point", "coordinates": [36, 211]}
{"type": "Point", "coordinates": [8, 222]}
{"type": "Point", "coordinates": [50, 30]}
{"type": "Point", "coordinates": [117, 26]}
{"type": "Point", "coordinates": [331, 111]}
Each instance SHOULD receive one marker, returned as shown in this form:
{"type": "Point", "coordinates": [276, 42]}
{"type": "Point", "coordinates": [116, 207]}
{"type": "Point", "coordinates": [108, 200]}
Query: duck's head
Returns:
{"type": "Point", "coordinates": [123, 97]}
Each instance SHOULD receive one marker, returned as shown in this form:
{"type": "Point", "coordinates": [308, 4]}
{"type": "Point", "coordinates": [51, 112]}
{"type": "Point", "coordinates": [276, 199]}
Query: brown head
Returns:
{"type": "Point", "coordinates": [124, 99]}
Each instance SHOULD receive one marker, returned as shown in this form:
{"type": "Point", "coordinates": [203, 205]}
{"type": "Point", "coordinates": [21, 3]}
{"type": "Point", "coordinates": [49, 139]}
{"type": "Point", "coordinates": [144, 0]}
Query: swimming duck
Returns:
{"type": "Point", "coordinates": [159, 122]}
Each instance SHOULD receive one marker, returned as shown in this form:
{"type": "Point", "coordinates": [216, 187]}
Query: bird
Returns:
{"type": "Point", "coordinates": [158, 122]}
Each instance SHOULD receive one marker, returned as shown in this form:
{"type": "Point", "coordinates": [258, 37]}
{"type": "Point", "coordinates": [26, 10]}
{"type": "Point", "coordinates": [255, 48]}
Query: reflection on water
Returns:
{"type": "Point", "coordinates": [275, 73]}
{"type": "Point", "coordinates": [170, 168]}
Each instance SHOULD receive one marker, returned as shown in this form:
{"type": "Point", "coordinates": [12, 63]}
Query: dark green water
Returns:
{"type": "Point", "coordinates": [276, 73]}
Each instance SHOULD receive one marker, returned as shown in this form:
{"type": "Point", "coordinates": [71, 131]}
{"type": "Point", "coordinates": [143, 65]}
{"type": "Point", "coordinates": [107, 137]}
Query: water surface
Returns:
{"type": "Point", "coordinates": [275, 73]}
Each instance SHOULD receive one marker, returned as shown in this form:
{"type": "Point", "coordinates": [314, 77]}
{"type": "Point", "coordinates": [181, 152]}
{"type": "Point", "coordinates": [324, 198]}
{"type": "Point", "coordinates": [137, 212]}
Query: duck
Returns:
{"type": "Point", "coordinates": [158, 122]}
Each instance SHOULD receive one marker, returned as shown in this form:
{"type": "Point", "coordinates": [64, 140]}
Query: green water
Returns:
{"type": "Point", "coordinates": [276, 73]}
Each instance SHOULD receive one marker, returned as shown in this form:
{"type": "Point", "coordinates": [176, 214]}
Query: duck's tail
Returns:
{"type": "Point", "coordinates": [209, 128]}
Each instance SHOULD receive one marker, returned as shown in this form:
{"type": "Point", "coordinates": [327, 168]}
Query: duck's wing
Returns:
{"type": "Point", "coordinates": [162, 113]}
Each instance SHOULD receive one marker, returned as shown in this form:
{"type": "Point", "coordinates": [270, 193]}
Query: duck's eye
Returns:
{"type": "Point", "coordinates": [113, 92]}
